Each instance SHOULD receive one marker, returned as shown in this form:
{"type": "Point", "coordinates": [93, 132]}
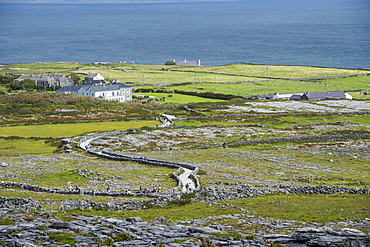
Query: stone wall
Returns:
{"type": "Point", "coordinates": [281, 114]}
{"type": "Point", "coordinates": [36, 188]}
{"type": "Point", "coordinates": [141, 160]}
{"type": "Point", "coordinates": [237, 191]}
{"type": "Point", "coordinates": [290, 139]}
{"type": "Point", "coordinates": [19, 204]}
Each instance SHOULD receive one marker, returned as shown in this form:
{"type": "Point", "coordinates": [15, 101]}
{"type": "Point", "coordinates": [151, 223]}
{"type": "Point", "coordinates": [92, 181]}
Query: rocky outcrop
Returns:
{"type": "Point", "coordinates": [87, 230]}
{"type": "Point", "coordinates": [322, 237]}
{"type": "Point", "coordinates": [19, 204]}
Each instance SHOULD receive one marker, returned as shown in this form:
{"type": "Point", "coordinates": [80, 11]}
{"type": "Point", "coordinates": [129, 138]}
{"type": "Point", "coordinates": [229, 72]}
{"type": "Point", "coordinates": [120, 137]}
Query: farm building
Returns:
{"type": "Point", "coordinates": [325, 95]}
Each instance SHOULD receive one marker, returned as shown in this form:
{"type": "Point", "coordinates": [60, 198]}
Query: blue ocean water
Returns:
{"type": "Point", "coordinates": [294, 32]}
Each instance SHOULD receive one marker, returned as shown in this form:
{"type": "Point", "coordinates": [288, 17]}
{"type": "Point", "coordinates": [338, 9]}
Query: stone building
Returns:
{"type": "Point", "coordinates": [48, 80]}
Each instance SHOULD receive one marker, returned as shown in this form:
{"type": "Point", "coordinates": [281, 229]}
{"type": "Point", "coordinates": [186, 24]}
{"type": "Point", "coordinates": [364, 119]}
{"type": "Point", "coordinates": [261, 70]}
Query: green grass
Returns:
{"type": "Point", "coordinates": [179, 98]}
{"type": "Point", "coordinates": [73, 129]}
{"type": "Point", "coordinates": [357, 95]}
{"type": "Point", "coordinates": [63, 238]}
{"type": "Point", "coordinates": [5, 221]}
{"type": "Point", "coordinates": [40, 68]}
{"type": "Point", "coordinates": [280, 71]}
{"type": "Point", "coordinates": [10, 147]}
{"type": "Point", "coordinates": [309, 208]}
{"type": "Point", "coordinates": [155, 73]}
{"type": "Point", "coordinates": [278, 86]}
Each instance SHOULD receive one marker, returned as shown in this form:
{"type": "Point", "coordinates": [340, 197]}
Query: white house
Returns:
{"type": "Point", "coordinates": [118, 91]}
{"type": "Point", "coordinates": [94, 78]}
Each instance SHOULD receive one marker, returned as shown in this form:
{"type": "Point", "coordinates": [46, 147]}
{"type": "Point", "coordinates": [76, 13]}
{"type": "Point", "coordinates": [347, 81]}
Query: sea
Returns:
{"type": "Point", "coordinates": [329, 33]}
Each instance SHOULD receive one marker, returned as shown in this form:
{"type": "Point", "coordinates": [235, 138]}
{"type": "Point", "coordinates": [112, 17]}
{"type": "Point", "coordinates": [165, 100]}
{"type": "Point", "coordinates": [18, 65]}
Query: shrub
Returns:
{"type": "Point", "coordinates": [170, 62]}
{"type": "Point", "coordinates": [63, 238]}
{"type": "Point", "coordinates": [6, 222]}
{"type": "Point", "coordinates": [206, 242]}
{"type": "Point", "coordinates": [188, 196]}
{"type": "Point", "coordinates": [122, 237]}
{"type": "Point", "coordinates": [108, 242]}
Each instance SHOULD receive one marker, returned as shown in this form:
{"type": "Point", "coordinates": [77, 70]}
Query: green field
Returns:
{"type": "Point", "coordinates": [37, 146]}
{"type": "Point", "coordinates": [264, 87]}
{"type": "Point", "coordinates": [178, 98]}
{"type": "Point", "coordinates": [154, 74]}
{"type": "Point", "coordinates": [73, 129]}
{"type": "Point", "coordinates": [10, 147]}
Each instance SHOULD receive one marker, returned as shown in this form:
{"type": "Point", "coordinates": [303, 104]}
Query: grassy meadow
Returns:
{"type": "Point", "coordinates": [277, 86]}
{"type": "Point", "coordinates": [72, 129]}
{"type": "Point", "coordinates": [37, 145]}
{"type": "Point", "coordinates": [177, 98]}
{"type": "Point", "coordinates": [18, 146]}
{"type": "Point", "coordinates": [155, 74]}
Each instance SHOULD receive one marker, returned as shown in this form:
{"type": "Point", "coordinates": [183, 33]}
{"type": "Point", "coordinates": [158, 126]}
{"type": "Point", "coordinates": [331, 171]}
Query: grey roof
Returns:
{"type": "Point", "coordinates": [109, 87]}
{"type": "Point", "coordinates": [324, 95]}
{"type": "Point", "coordinates": [44, 77]}
{"type": "Point", "coordinates": [69, 89]}
{"type": "Point", "coordinates": [94, 81]}
{"type": "Point", "coordinates": [96, 88]}
{"type": "Point", "coordinates": [24, 77]}
{"type": "Point", "coordinates": [296, 96]}
{"type": "Point", "coordinates": [91, 75]}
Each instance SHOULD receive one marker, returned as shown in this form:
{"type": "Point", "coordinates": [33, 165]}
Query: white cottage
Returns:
{"type": "Point", "coordinates": [94, 78]}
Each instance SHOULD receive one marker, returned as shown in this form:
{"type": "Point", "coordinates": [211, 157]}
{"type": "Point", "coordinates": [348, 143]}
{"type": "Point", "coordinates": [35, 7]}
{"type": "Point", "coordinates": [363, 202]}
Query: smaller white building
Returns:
{"type": "Point", "coordinates": [348, 96]}
{"type": "Point", "coordinates": [94, 78]}
{"type": "Point", "coordinates": [282, 96]}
